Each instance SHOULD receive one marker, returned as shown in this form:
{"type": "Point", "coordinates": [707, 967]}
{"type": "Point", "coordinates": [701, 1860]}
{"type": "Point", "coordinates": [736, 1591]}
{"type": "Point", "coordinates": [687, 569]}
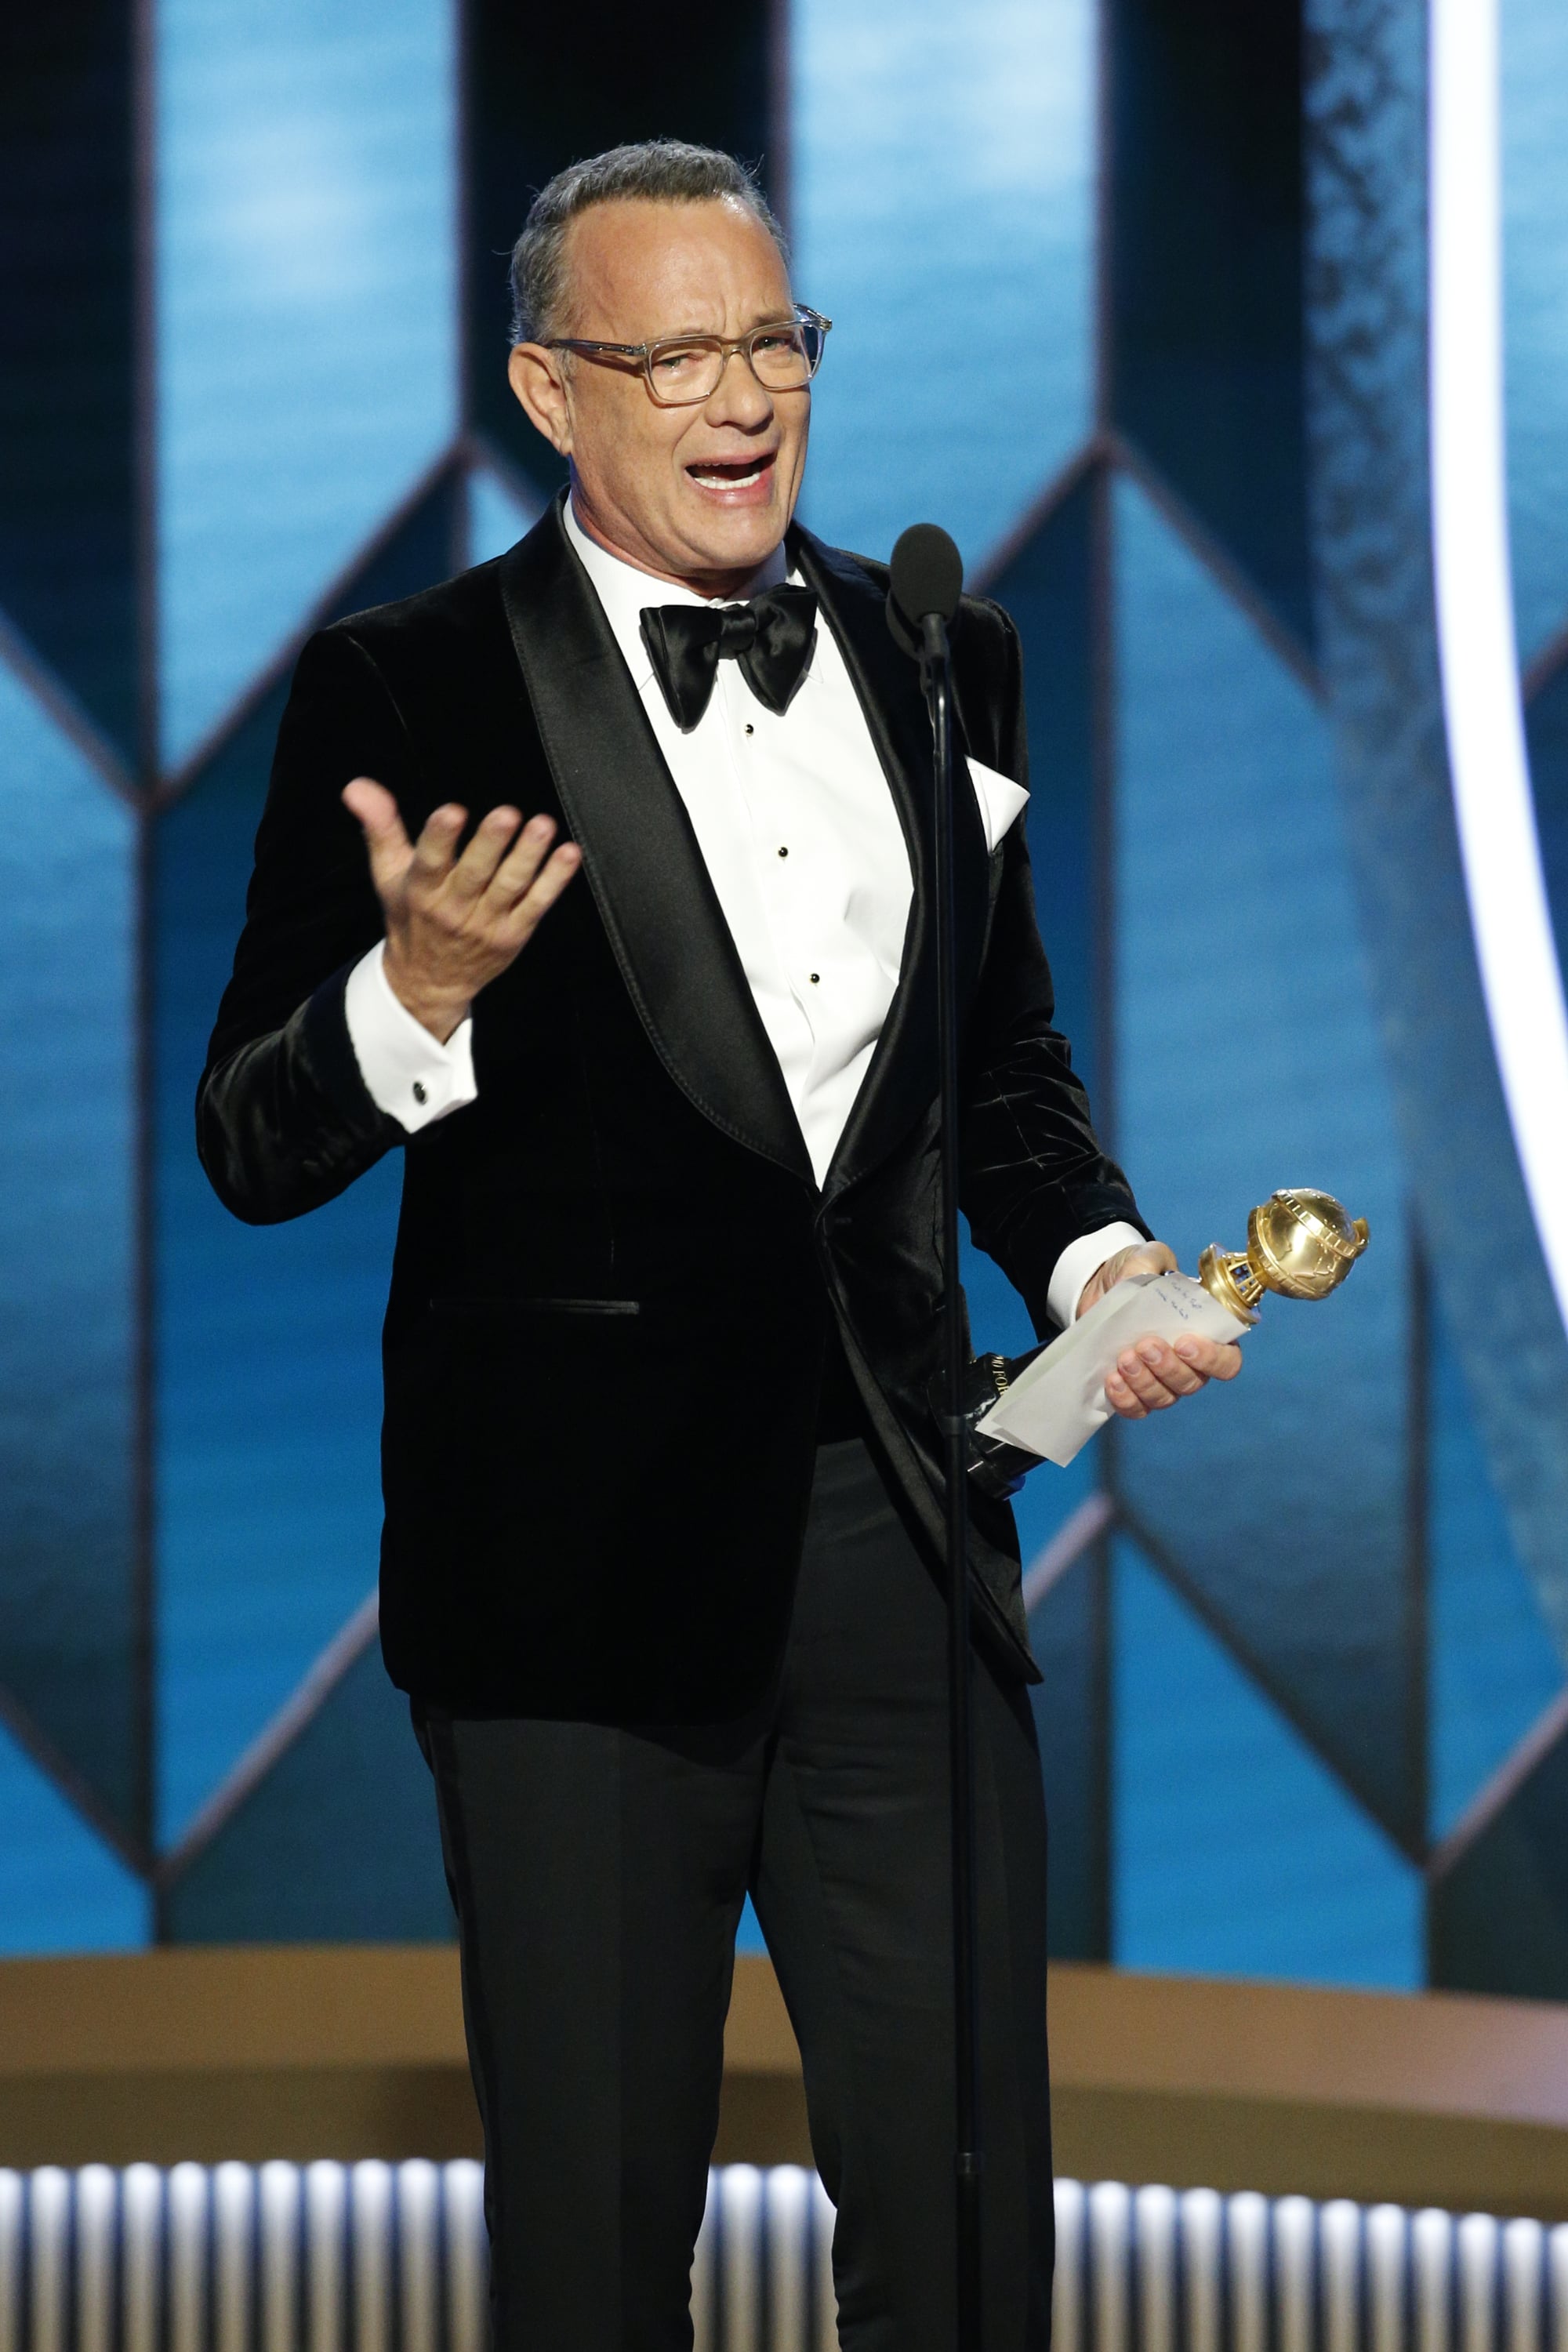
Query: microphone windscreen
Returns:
{"type": "Point", "coordinates": [927, 573]}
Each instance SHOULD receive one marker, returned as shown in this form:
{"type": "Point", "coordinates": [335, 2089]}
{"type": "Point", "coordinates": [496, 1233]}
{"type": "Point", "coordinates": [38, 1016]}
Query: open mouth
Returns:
{"type": "Point", "coordinates": [733, 474]}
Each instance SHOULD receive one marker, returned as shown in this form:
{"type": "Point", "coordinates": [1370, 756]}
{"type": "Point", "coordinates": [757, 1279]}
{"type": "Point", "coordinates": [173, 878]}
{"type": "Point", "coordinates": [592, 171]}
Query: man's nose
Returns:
{"type": "Point", "coordinates": [738, 398]}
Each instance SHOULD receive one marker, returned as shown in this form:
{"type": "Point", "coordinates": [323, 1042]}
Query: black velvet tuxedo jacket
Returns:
{"type": "Point", "coordinates": [616, 1281]}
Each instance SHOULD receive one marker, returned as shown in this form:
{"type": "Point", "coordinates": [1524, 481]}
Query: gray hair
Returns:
{"type": "Point", "coordinates": [660, 171]}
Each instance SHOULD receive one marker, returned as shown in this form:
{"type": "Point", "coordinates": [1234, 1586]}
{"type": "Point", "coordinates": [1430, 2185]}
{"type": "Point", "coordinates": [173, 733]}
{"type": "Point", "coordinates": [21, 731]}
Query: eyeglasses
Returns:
{"type": "Point", "coordinates": [682, 370]}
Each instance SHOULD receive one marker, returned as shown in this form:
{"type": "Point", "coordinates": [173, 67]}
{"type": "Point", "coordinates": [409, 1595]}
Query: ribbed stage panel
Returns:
{"type": "Point", "coordinates": [373, 2257]}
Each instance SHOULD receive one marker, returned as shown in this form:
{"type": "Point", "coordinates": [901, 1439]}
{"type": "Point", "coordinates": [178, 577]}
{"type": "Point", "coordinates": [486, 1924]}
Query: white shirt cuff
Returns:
{"type": "Point", "coordinates": [1080, 1262]}
{"type": "Point", "coordinates": [409, 1075]}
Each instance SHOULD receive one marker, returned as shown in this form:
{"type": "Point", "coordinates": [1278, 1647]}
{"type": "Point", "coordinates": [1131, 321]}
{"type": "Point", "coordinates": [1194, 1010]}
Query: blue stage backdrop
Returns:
{"type": "Point", "coordinates": [1131, 297]}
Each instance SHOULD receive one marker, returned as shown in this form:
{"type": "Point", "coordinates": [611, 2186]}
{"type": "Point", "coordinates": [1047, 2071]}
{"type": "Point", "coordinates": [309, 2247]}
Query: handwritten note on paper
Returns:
{"type": "Point", "coordinates": [1056, 1403]}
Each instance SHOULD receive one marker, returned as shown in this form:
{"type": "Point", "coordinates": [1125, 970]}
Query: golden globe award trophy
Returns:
{"type": "Point", "coordinates": [1046, 1406]}
{"type": "Point", "coordinates": [1298, 1244]}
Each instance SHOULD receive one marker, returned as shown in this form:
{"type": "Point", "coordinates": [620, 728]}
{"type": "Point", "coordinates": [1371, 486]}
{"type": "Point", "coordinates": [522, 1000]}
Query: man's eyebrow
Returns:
{"type": "Point", "coordinates": [785, 318]}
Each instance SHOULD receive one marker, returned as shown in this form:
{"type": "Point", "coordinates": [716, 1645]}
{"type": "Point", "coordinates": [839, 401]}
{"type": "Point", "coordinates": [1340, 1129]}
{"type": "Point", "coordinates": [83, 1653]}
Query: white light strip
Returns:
{"type": "Point", "coordinates": [1510, 915]}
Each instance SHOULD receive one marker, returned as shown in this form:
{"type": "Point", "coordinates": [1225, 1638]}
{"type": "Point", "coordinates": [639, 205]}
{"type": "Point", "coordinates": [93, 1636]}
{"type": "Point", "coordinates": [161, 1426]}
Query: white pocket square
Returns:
{"type": "Point", "coordinates": [1000, 800]}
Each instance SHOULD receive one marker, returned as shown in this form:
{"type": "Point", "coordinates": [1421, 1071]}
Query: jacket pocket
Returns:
{"type": "Point", "coordinates": [494, 1307]}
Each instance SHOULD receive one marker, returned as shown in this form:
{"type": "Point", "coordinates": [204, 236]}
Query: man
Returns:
{"type": "Point", "coordinates": [663, 1499]}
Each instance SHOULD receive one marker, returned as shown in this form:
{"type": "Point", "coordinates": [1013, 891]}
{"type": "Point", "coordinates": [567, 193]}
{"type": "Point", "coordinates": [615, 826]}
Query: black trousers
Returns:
{"type": "Point", "coordinates": [598, 1875]}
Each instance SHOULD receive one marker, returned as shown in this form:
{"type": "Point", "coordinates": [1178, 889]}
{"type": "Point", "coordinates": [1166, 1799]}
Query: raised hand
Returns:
{"type": "Point", "coordinates": [1154, 1373]}
{"type": "Point", "coordinates": [454, 924]}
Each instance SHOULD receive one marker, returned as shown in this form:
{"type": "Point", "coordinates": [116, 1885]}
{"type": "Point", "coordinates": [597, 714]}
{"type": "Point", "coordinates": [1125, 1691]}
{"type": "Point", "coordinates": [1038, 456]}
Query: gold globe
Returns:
{"type": "Point", "coordinates": [1300, 1243]}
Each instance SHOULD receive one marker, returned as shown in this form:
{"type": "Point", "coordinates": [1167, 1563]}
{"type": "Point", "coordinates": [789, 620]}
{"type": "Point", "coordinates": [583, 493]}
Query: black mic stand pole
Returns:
{"type": "Point", "coordinates": [936, 678]}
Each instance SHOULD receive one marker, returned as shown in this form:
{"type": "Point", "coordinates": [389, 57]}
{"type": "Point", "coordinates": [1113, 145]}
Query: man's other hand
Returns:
{"type": "Point", "coordinates": [454, 924]}
{"type": "Point", "coordinates": [1154, 1373]}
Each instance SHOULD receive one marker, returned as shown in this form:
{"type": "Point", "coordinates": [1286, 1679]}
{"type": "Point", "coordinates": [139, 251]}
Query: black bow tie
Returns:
{"type": "Point", "coordinates": [770, 636]}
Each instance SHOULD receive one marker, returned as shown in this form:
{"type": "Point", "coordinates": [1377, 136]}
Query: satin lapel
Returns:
{"type": "Point", "coordinates": [902, 1079]}
{"type": "Point", "coordinates": [641, 856]}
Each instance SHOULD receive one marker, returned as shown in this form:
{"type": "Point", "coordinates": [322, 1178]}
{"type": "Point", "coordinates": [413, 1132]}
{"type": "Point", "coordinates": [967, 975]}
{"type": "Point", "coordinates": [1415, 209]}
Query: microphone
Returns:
{"type": "Point", "coordinates": [926, 580]}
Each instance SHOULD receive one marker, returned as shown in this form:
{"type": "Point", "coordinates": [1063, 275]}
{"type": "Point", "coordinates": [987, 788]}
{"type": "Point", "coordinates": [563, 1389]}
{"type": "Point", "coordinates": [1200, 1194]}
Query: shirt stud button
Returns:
{"type": "Point", "coordinates": [815, 978]}
{"type": "Point", "coordinates": [749, 729]}
{"type": "Point", "coordinates": [420, 1095]}
{"type": "Point", "coordinates": [783, 853]}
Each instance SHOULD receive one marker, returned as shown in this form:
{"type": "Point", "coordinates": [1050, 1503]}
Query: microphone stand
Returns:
{"type": "Point", "coordinates": [936, 680]}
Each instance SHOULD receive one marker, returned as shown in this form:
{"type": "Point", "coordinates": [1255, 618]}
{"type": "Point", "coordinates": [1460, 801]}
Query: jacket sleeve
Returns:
{"type": "Point", "coordinates": [284, 1121]}
{"type": "Point", "coordinates": [1033, 1176]}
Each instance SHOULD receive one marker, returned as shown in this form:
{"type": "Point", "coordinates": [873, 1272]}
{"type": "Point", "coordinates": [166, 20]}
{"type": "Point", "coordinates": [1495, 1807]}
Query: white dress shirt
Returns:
{"type": "Point", "coordinates": [806, 856]}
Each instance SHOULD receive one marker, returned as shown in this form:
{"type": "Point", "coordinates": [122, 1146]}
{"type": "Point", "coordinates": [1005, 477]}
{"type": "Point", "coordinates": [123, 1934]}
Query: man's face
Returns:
{"type": "Point", "coordinates": [699, 495]}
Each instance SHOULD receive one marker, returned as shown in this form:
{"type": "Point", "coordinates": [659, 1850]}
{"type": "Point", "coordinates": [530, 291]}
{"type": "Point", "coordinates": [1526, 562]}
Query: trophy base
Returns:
{"type": "Point", "coordinates": [1227, 1275]}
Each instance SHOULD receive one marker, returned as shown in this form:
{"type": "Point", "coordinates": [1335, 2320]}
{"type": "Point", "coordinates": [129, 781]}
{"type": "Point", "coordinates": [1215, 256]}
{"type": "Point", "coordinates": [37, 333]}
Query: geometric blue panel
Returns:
{"type": "Point", "coordinates": [269, 1396]}
{"type": "Point", "coordinates": [68, 357]}
{"type": "Point", "coordinates": [1499, 1903]}
{"type": "Point", "coordinates": [941, 207]}
{"type": "Point", "coordinates": [1494, 1669]}
{"type": "Point", "coordinates": [498, 518]}
{"type": "Point", "coordinates": [68, 1206]}
{"type": "Point", "coordinates": [1546, 738]}
{"type": "Point", "coordinates": [1203, 265]}
{"type": "Point", "coordinates": [1237, 1852]}
{"type": "Point", "coordinates": [338, 1843]}
{"type": "Point", "coordinates": [1367, 385]}
{"type": "Point", "coordinates": [1046, 586]}
{"type": "Point", "coordinates": [1246, 1059]}
{"type": "Point", "coordinates": [1535, 259]}
{"type": "Point", "coordinates": [1068, 1632]}
{"type": "Point", "coordinates": [749, 1936]}
{"type": "Point", "coordinates": [268, 1376]}
{"type": "Point", "coordinates": [307, 342]}
{"type": "Point", "coordinates": [65, 1891]}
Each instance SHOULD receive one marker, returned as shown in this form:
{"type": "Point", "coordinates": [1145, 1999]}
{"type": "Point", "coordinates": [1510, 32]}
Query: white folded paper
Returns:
{"type": "Point", "coordinates": [1056, 1403]}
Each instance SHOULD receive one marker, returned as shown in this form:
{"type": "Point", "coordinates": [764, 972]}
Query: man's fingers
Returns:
{"type": "Point", "coordinates": [1155, 1376]}
{"type": "Point", "coordinates": [481, 861]}
{"type": "Point", "coordinates": [1151, 1376]}
{"type": "Point", "coordinates": [373, 805]}
{"type": "Point", "coordinates": [450, 927]}
{"type": "Point", "coordinates": [1153, 1258]}
{"type": "Point", "coordinates": [516, 873]}
{"type": "Point", "coordinates": [1216, 1360]}
{"type": "Point", "coordinates": [1139, 1257]}
{"type": "Point", "coordinates": [436, 845]}
{"type": "Point", "coordinates": [385, 839]}
{"type": "Point", "coordinates": [535, 904]}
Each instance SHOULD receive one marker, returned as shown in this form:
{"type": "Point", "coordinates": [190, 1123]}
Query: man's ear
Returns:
{"type": "Point", "coordinates": [534, 375]}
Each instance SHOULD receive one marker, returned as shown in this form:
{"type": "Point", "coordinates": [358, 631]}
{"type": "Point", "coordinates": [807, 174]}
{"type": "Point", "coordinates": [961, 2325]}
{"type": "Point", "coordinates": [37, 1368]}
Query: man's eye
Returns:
{"type": "Point", "coordinates": [679, 361]}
